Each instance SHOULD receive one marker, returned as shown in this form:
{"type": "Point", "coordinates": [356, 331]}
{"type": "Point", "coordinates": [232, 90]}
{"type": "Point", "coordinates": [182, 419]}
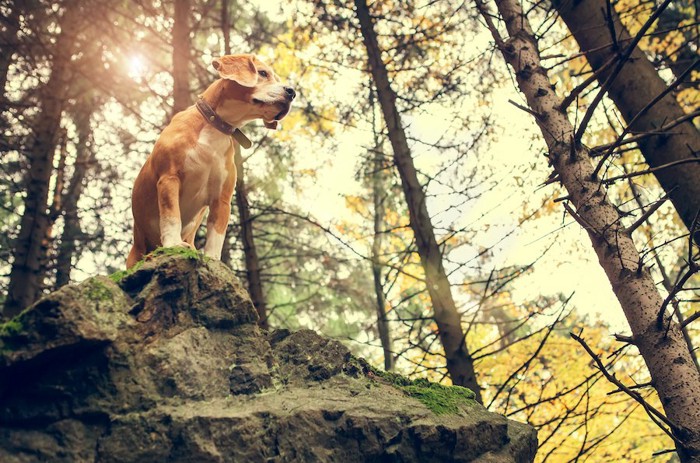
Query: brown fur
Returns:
{"type": "Point", "coordinates": [240, 95]}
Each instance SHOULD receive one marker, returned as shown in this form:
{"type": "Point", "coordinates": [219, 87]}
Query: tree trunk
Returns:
{"type": "Point", "coordinates": [673, 373]}
{"type": "Point", "coordinates": [181, 56]}
{"type": "Point", "coordinates": [56, 203]}
{"type": "Point", "coordinates": [27, 273]}
{"type": "Point", "coordinates": [226, 249]}
{"type": "Point", "coordinates": [71, 221]}
{"type": "Point", "coordinates": [252, 263]}
{"type": "Point", "coordinates": [666, 280]}
{"type": "Point", "coordinates": [636, 85]}
{"type": "Point", "coordinates": [250, 253]}
{"type": "Point", "coordinates": [449, 322]}
{"type": "Point", "coordinates": [378, 196]}
{"type": "Point", "coordinates": [8, 44]}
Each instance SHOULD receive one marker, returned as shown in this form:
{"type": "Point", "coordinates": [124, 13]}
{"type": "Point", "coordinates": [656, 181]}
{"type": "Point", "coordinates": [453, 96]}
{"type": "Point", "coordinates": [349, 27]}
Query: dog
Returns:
{"type": "Point", "coordinates": [191, 167]}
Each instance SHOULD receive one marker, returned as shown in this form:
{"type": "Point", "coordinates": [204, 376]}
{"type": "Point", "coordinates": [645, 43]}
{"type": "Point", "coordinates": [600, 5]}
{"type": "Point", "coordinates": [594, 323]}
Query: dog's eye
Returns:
{"type": "Point", "coordinates": [263, 74]}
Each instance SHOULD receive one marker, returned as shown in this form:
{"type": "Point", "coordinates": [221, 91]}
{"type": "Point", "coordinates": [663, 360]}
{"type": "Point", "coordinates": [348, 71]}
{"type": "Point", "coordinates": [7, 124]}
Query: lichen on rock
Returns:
{"type": "Point", "coordinates": [168, 364]}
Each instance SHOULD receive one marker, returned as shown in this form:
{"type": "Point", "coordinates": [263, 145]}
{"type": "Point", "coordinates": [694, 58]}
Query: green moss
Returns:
{"type": "Point", "coordinates": [179, 251]}
{"type": "Point", "coordinates": [97, 291]}
{"type": "Point", "coordinates": [121, 274]}
{"type": "Point", "coordinates": [438, 398]}
{"type": "Point", "coordinates": [10, 335]}
{"type": "Point", "coordinates": [173, 251]}
{"type": "Point", "coordinates": [11, 328]}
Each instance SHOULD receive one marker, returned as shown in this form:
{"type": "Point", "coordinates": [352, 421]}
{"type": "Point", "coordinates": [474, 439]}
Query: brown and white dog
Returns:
{"type": "Point", "coordinates": [191, 167]}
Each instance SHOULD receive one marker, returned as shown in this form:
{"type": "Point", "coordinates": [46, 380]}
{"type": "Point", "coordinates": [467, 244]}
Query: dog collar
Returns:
{"type": "Point", "coordinates": [221, 125]}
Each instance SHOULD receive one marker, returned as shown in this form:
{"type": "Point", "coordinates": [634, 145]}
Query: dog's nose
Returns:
{"type": "Point", "coordinates": [289, 91]}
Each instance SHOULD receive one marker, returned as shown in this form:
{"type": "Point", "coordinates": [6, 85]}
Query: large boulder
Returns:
{"type": "Point", "coordinates": [166, 363]}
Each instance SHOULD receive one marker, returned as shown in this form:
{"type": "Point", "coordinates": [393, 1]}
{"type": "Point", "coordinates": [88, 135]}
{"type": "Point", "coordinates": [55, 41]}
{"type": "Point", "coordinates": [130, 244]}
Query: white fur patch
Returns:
{"type": "Point", "coordinates": [215, 242]}
{"type": "Point", "coordinates": [270, 93]}
{"type": "Point", "coordinates": [170, 230]}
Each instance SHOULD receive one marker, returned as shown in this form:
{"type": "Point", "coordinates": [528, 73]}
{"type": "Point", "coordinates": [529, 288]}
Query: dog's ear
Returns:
{"type": "Point", "coordinates": [271, 125]}
{"type": "Point", "coordinates": [239, 68]}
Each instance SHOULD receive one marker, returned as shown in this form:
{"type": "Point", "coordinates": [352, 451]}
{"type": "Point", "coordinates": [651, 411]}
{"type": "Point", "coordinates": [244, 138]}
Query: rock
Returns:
{"type": "Point", "coordinates": [169, 365]}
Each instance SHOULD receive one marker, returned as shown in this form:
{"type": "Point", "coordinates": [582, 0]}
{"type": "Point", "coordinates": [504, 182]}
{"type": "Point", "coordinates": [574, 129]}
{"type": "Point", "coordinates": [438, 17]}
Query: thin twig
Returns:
{"type": "Point", "coordinates": [611, 180]}
{"type": "Point", "coordinates": [643, 218]}
{"type": "Point", "coordinates": [690, 319]}
{"type": "Point", "coordinates": [598, 150]}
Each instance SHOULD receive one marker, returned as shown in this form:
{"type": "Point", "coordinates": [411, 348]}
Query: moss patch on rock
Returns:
{"type": "Point", "coordinates": [439, 399]}
{"type": "Point", "coordinates": [173, 251]}
{"type": "Point", "coordinates": [11, 334]}
{"type": "Point", "coordinates": [11, 328]}
{"type": "Point", "coordinates": [97, 291]}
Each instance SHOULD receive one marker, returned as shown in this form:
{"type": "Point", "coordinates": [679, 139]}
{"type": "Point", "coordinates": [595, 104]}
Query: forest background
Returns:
{"type": "Point", "coordinates": [425, 201]}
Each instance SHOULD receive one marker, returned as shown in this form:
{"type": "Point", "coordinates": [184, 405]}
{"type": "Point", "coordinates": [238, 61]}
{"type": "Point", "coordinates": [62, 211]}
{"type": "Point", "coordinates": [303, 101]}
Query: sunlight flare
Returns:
{"type": "Point", "coordinates": [136, 66]}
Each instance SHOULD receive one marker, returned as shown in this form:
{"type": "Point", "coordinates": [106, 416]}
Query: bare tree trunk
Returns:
{"type": "Point", "coordinates": [635, 87]}
{"type": "Point", "coordinates": [226, 32]}
{"type": "Point", "coordinates": [27, 274]}
{"type": "Point", "coordinates": [181, 56]}
{"type": "Point", "coordinates": [8, 43]}
{"type": "Point", "coordinates": [673, 373]}
{"type": "Point", "coordinates": [71, 221]}
{"type": "Point", "coordinates": [252, 263]}
{"type": "Point", "coordinates": [378, 196]}
{"type": "Point", "coordinates": [57, 200]}
{"type": "Point", "coordinates": [56, 205]}
{"type": "Point", "coordinates": [449, 322]}
{"type": "Point", "coordinates": [250, 253]}
{"type": "Point", "coordinates": [665, 278]}
{"type": "Point", "coordinates": [227, 247]}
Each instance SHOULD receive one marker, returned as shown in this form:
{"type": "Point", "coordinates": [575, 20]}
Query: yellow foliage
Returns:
{"type": "Point", "coordinates": [577, 419]}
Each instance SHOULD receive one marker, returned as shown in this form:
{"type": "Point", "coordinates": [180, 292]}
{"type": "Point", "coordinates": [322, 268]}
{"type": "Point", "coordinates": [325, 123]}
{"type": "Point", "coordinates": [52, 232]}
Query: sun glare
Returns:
{"type": "Point", "coordinates": [136, 66]}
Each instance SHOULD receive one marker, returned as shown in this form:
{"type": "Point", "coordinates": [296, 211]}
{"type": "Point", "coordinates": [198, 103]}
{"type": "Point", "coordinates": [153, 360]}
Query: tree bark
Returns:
{"type": "Point", "coordinates": [181, 56]}
{"type": "Point", "coordinates": [665, 353]}
{"type": "Point", "coordinates": [250, 253]}
{"type": "Point", "coordinates": [8, 44]}
{"type": "Point", "coordinates": [252, 263]}
{"type": "Point", "coordinates": [378, 196]}
{"type": "Point", "coordinates": [636, 85]}
{"type": "Point", "coordinates": [27, 273]}
{"type": "Point", "coordinates": [449, 322]}
{"type": "Point", "coordinates": [226, 249]}
{"type": "Point", "coordinates": [56, 203]}
{"type": "Point", "coordinates": [71, 221]}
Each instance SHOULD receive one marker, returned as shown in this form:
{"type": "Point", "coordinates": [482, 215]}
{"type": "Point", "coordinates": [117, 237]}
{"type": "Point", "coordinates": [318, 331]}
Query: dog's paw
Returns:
{"type": "Point", "coordinates": [184, 244]}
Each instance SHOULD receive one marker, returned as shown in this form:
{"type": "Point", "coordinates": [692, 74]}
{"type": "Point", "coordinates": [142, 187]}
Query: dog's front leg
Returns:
{"type": "Point", "coordinates": [169, 212]}
{"type": "Point", "coordinates": [217, 222]}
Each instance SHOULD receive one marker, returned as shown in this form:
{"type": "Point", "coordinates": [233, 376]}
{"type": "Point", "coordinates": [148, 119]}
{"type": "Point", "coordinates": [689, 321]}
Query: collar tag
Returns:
{"type": "Point", "coordinates": [242, 139]}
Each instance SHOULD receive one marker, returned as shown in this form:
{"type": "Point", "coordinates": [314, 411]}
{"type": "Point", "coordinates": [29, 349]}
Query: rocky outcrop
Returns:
{"type": "Point", "coordinates": [167, 364]}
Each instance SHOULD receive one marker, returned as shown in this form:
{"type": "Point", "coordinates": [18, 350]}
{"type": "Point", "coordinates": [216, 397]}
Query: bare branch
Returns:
{"type": "Point", "coordinates": [655, 415]}
{"type": "Point", "coordinates": [648, 213]}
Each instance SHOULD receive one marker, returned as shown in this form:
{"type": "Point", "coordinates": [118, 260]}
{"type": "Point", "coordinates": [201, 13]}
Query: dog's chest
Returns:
{"type": "Point", "coordinates": [205, 168]}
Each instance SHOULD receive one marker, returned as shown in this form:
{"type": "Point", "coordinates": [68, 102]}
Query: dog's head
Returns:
{"type": "Point", "coordinates": [252, 90]}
